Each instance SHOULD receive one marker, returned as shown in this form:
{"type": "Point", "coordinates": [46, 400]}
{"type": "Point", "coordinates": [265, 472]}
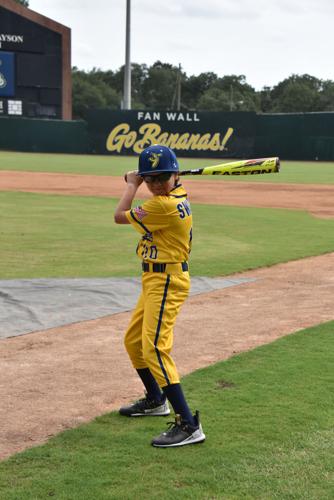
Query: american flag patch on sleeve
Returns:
{"type": "Point", "coordinates": [139, 213]}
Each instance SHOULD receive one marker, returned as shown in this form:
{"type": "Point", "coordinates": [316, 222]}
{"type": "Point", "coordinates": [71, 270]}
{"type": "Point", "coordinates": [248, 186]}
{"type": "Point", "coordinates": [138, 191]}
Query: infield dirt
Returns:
{"type": "Point", "coordinates": [314, 198]}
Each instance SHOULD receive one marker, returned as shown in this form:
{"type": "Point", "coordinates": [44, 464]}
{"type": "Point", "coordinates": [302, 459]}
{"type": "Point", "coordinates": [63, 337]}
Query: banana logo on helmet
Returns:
{"type": "Point", "coordinates": [154, 159]}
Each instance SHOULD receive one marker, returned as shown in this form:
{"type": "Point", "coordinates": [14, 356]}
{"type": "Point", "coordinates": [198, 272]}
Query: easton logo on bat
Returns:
{"type": "Point", "coordinates": [245, 172]}
{"type": "Point", "coordinates": [240, 167]}
{"type": "Point", "coordinates": [269, 166]}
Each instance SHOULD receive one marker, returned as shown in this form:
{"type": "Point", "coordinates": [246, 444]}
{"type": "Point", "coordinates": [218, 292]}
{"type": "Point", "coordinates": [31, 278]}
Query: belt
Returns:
{"type": "Point", "coordinates": [153, 267]}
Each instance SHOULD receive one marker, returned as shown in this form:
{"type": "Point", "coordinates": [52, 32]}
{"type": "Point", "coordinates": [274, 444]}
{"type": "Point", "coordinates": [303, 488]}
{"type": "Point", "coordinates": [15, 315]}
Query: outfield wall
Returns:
{"type": "Point", "coordinates": [44, 136]}
{"type": "Point", "coordinates": [295, 136]}
{"type": "Point", "coordinates": [298, 136]}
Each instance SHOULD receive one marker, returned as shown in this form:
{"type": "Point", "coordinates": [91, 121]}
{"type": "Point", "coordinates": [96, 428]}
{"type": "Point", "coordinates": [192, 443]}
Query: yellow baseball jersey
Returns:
{"type": "Point", "coordinates": [165, 223]}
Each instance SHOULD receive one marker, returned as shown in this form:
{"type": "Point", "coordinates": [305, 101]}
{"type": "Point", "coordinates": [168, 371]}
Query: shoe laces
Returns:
{"type": "Point", "coordinates": [175, 426]}
{"type": "Point", "coordinates": [142, 401]}
{"type": "Point", "coordinates": [146, 402]}
{"type": "Point", "coordinates": [172, 429]}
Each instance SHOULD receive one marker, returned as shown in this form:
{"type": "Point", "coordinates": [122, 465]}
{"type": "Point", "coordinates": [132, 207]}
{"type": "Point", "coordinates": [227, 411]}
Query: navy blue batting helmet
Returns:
{"type": "Point", "coordinates": [157, 159]}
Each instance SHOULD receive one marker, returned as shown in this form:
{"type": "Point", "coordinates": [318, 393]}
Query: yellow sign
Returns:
{"type": "Point", "coordinates": [122, 137]}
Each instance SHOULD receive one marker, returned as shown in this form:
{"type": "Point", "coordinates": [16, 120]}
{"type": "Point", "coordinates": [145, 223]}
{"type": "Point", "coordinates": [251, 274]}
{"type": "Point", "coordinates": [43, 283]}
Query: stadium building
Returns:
{"type": "Point", "coordinates": [35, 64]}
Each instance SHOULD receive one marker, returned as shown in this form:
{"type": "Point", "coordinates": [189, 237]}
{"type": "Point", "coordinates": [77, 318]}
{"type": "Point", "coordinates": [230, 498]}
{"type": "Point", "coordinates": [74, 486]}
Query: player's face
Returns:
{"type": "Point", "coordinates": [160, 184]}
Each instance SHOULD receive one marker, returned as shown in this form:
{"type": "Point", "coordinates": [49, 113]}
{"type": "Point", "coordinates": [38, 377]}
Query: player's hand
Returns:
{"type": "Point", "coordinates": [132, 178]}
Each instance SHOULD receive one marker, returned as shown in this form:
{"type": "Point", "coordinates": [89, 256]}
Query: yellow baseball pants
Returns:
{"type": "Point", "coordinates": [149, 337]}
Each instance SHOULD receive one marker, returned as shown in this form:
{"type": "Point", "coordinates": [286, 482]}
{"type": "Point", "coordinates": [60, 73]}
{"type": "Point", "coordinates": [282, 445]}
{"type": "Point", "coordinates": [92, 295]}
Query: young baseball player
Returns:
{"type": "Point", "coordinates": [165, 225]}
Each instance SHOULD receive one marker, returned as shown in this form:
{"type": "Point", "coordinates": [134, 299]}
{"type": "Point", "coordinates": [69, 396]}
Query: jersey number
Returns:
{"type": "Point", "coordinates": [149, 252]}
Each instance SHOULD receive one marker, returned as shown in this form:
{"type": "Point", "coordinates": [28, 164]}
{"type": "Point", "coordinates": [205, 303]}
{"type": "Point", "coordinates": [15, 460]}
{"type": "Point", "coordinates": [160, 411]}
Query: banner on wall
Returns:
{"type": "Point", "coordinates": [7, 78]}
{"type": "Point", "coordinates": [201, 134]}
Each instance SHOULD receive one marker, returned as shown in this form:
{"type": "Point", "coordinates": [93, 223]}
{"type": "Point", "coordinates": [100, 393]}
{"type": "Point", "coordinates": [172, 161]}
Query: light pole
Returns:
{"type": "Point", "coordinates": [231, 98]}
{"type": "Point", "coordinates": [178, 89]}
{"type": "Point", "coordinates": [127, 67]}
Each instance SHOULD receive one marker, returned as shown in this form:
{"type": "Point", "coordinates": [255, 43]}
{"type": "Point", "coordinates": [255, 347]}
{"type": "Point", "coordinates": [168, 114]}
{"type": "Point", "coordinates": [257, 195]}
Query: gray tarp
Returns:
{"type": "Point", "coordinates": [29, 305]}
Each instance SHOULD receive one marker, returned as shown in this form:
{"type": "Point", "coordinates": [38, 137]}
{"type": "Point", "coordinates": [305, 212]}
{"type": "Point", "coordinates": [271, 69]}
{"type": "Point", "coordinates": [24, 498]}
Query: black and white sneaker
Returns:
{"type": "Point", "coordinates": [180, 433]}
{"type": "Point", "coordinates": [146, 408]}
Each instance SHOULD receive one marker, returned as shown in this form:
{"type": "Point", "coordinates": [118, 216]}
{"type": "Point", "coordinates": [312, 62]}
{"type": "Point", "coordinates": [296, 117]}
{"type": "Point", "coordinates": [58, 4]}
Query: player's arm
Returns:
{"type": "Point", "coordinates": [133, 182]}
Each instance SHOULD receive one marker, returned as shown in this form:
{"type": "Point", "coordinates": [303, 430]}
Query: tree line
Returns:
{"type": "Point", "coordinates": [157, 87]}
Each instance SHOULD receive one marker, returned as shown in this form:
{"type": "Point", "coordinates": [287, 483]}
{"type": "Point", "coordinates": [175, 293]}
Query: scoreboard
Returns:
{"type": "Point", "coordinates": [35, 70]}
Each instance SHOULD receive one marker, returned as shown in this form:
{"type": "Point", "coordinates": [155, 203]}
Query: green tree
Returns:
{"type": "Point", "coordinates": [139, 73]}
{"type": "Point", "coordinates": [214, 99]}
{"type": "Point", "coordinates": [194, 87]}
{"type": "Point", "coordinates": [90, 91]}
{"type": "Point", "coordinates": [154, 87]}
{"type": "Point", "coordinates": [230, 93]}
{"type": "Point", "coordinates": [158, 89]}
{"type": "Point", "coordinates": [25, 3]}
{"type": "Point", "coordinates": [326, 97]}
{"type": "Point", "coordinates": [298, 93]}
{"type": "Point", "coordinates": [265, 98]}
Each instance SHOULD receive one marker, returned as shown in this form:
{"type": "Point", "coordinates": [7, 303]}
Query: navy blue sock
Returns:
{"type": "Point", "coordinates": [152, 388]}
{"type": "Point", "coordinates": [176, 398]}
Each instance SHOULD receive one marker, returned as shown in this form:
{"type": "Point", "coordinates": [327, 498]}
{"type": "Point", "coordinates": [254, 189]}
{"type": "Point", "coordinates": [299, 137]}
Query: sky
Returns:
{"type": "Point", "coordinates": [265, 40]}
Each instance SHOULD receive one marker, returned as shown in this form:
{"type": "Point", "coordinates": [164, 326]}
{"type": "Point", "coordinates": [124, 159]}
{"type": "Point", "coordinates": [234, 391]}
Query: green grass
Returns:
{"type": "Point", "coordinates": [291, 172]}
{"type": "Point", "coordinates": [70, 236]}
{"type": "Point", "coordinates": [268, 415]}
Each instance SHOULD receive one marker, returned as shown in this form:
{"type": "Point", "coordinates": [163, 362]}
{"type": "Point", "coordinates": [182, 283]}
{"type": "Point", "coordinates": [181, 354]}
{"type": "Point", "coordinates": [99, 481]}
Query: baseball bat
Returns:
{"type": "Point", "coordinates": [241, 167]}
